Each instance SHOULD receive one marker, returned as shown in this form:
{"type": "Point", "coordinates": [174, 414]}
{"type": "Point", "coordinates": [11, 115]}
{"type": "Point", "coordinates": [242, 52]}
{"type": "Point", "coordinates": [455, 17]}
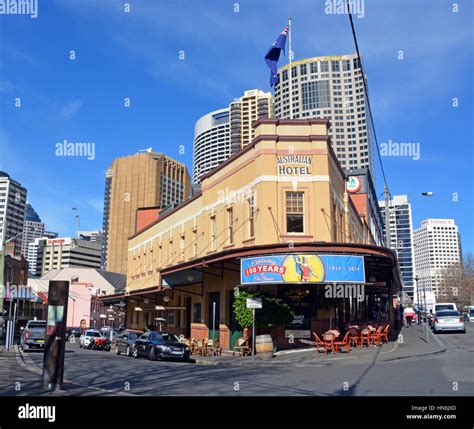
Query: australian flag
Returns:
{"type": "Point", "coordinates": [273, 54]}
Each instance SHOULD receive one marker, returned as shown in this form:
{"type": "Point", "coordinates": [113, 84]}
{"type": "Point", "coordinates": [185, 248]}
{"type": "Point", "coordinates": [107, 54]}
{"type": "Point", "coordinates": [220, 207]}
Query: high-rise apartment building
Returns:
{"type": "Point", "coordinates": [437, 252]}
{"type": "Point", "coordinates": [12, 211]}
{"type": "Point", "coordinates": [32, 228]}
{"type": "Point", "coordinates": [221, 133]}
{"type": "Point", "coordinates": [147, 179]}
{"type": "Point", "coordinates": [254, 104]}
{"type": "Point", "coordinates": [330, 87]}
{"type": "Point", "coordinates": [401, 238]}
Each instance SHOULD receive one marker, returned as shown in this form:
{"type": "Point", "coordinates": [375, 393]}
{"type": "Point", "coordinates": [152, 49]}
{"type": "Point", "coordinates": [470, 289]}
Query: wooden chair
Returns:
{"type": "Point", "coordinates": [200, 348]}
{"type": "Point", "coordinates": [354, 337]}
{"type": "Point", "coordinates": [242, 347]}
{"type": "Point", "coordinates": [328, 339]}
{"type": "Point", "coordinates": [345, 343]}
{"type": "Point", "coordinates": [365, 337]}
{"type": "Point", "coordinates": [319, 343]}
{"type": "Point", "coordinates": [384, 334]}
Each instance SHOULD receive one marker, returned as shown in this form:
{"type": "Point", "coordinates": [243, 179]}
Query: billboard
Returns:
{"type": "Point", "coordinates": [302, 268]}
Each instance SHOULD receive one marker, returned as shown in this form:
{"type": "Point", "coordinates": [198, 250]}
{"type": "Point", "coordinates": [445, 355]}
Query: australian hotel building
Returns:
{"type": "Point", "coordinates": [276, 217]}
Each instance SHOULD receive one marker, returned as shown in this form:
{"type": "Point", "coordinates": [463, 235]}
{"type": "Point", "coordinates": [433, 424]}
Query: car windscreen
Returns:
{"type": "Point", "coordinates": [170, 337]}
{"type": "Point", "coordinates": [471, 312]}
{"type": "Point", "coordinates": [132, 336]}
{"type": "Point", "coordinates": [33, 325]}
{"type": "Point", "coordinates": [447, 314]}
{"type": "Point", "coordinates": [444, 307]}
{"type": "Point", "coordinates": [93, 334]}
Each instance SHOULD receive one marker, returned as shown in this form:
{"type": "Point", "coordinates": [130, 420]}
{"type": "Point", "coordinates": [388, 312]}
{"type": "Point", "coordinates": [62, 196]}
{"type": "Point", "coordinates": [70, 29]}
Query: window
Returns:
{"type": "Point", "coordinates": [230, 224]}
{"type": "Point", "coordinates": [303, 69]}
{"type": "Point", "coordinates": [294, 212]}
{"type": "Point", "coordinates": [197, 312]}
{"type": "Point", "coordinates": [335, 66]}
{"type": "Point", "coordinates": [213, 233]}
{"type": "Point", "coordinates": [251, 204]}
{"type": "Point", "coordinates": [316, 95]}
{"type": "Point", "coordinates": [324, 66]}
{"type": "Point", "coordinates": [171, 318]}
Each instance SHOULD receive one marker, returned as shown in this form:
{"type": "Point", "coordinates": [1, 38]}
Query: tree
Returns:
{"type": "Point", "coordinates": [457, 283]}
{"type": "Point", "coordinates": [274, 311]}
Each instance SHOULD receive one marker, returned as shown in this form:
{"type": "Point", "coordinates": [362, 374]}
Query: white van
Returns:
{"type": "Point", "coordinates": [445, 306]}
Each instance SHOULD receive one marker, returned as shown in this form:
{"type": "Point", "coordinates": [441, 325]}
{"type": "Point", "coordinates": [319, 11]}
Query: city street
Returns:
{"type": "Point", "coordinates": [395, 369]}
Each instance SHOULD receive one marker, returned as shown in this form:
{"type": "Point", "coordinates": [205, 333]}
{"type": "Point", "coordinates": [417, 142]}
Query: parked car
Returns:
{"type": "Point", "coordinates": [86, 337]}
{"type": "Point", "coordinates": [125, 341]}
{"type": "Point", "coordinates": [33, 335]}
{"type": "Point", "coordinates": [73, 332]}
{"type": "Point", "coordinates": [468, 313]}
{"type": "Point", "coordinates": [160, 345]}
{"type": "Point", "coordinates": [448, 320]}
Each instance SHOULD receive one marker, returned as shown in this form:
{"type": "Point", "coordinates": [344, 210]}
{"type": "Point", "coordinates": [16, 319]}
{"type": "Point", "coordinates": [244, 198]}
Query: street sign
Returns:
{"type": "Point", "coordinates": [254, 303]}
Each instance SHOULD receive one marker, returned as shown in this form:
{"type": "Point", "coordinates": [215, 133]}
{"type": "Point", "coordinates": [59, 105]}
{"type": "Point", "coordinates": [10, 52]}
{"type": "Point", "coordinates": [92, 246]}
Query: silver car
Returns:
{"type": "Point", "coordinates": [448, 320]}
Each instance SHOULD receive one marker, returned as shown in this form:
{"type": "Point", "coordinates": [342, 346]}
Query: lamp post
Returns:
{"type": "Point", "coordinates": [418, 299]}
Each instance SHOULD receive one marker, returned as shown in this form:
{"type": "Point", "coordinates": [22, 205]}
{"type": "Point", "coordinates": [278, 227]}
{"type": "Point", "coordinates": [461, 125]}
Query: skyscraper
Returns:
{"type": "Point", "coordinates": [147, 179]}
{"type": "Point", "coordinates": [32, 228]}
{"type": "Point", "coordinates": [437, 252]}
{"type": "Point", "coordinates": [401, 238]}
{"type": "Point", "coordinates": [221, 133]}
{"type": "Point", "coordinates": [330, 87]}
{"type": "Point", "coordinates": [12, 211]}
{"type": "Point", "coordinates": [211, 142]}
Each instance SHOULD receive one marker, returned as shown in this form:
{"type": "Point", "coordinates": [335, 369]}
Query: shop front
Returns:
{"type": "Point", "coordinates": [326, 286]}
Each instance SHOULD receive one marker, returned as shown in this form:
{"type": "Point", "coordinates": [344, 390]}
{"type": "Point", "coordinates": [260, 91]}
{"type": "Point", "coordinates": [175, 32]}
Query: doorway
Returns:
{"type": "Point", "coordinates": [214, 298]}
{"type": "Point", "coordinates": [188, 318]}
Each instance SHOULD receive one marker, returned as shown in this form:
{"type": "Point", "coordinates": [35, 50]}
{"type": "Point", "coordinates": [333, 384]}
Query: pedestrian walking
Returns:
{"type": "Point", "coordinates": [408, 315]}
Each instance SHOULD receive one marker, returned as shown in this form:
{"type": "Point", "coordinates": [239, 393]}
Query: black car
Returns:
{"type": "Point", "coordinates": [160, 345]}
{"type": "Point", "coordinates": [125, 341]}
{"type": "Point", "coordinates": [73, 332]}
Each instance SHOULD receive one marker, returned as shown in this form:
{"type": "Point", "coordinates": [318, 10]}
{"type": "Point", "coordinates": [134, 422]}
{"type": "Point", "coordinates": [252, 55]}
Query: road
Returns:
{"type": "Point", "coordinates": [441, 374]}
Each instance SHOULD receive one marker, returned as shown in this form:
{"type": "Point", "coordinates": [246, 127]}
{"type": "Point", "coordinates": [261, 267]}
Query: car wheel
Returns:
{"type": "Point", "coordinates": [128, 353]}
{"type": "Point", "coordinates": [135, 353]}
{"type": "Point", "coordinates": [117, 351]}
{"type": "Point", "coordinates": [153, 354]}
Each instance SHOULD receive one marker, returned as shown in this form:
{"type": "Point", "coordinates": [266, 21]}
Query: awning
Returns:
{"type": "Point", "coordinates": [182, 278]}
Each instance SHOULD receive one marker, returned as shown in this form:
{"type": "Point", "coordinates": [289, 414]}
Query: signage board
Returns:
{"type": "Point", "coordinates": [353, 184]}
{"type": "Point", "coordinates": [302, 268]}
{"type": "Point", "coordinates": [254, 302]}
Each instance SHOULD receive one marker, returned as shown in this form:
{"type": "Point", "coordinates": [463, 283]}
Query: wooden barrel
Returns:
{"type": "Point", "coordinates": [263, 344]}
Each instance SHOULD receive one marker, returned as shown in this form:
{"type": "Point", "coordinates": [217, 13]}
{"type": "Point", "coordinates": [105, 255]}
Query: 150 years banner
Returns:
{"type": "Point", "coordinates": [302, 268]}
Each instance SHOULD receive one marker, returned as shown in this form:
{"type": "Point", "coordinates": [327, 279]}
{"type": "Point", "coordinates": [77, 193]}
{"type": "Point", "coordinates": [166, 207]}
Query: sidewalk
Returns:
{"type": "Point", "coordinates": [411, 343]}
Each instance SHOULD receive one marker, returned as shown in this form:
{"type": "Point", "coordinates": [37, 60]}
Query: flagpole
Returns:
{"type": "Point", "coordinates": [290, 56]}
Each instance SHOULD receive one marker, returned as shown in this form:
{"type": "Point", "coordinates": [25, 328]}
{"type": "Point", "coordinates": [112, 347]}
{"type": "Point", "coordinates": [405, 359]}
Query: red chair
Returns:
{"type": "Point", "coordinates": [329, 342]}
{"type": "Point", "coordinates": [384, 334]}
{"type": "Point", "coordinates": [377, 336]}
{"type": "Point", "coordinates": [344, 343]}
{"type": "Point", "coordinates": [319, 343]}
{"type": "Point", "coordinates": [354, 336]}
{"type": "Point", "coordinates": [365, 337]}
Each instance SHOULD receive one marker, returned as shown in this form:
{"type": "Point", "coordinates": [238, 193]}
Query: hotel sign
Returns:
{"type": "Point", "coordinates": [302, 268]}
{"type": "Point", "coordinates": [294, 165]}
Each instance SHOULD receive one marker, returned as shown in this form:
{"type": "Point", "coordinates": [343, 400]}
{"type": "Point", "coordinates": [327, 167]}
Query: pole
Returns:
{"type": "Point", "coordinates": [213, 321]}
{"type": "Point", "coordinates": [14, 324]}
{"type": "Point", "coordinates": [418, 298]}
{"type": "Point", "coordinates": [388, 236]}
{"type": "Point", "coordinates": [426, 316]}
{"type": "Point", "coordinates": [290, 57]}
{"type": "Point", "coordinates": [253, 333]}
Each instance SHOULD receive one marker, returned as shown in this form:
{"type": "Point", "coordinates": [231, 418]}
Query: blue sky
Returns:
{"type": "Point", "coordinates": [136, 55]}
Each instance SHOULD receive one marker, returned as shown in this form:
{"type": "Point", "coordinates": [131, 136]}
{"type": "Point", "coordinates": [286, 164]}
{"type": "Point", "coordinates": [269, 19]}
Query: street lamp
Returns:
{"type": "Point", "coordinates": [418, 299]}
